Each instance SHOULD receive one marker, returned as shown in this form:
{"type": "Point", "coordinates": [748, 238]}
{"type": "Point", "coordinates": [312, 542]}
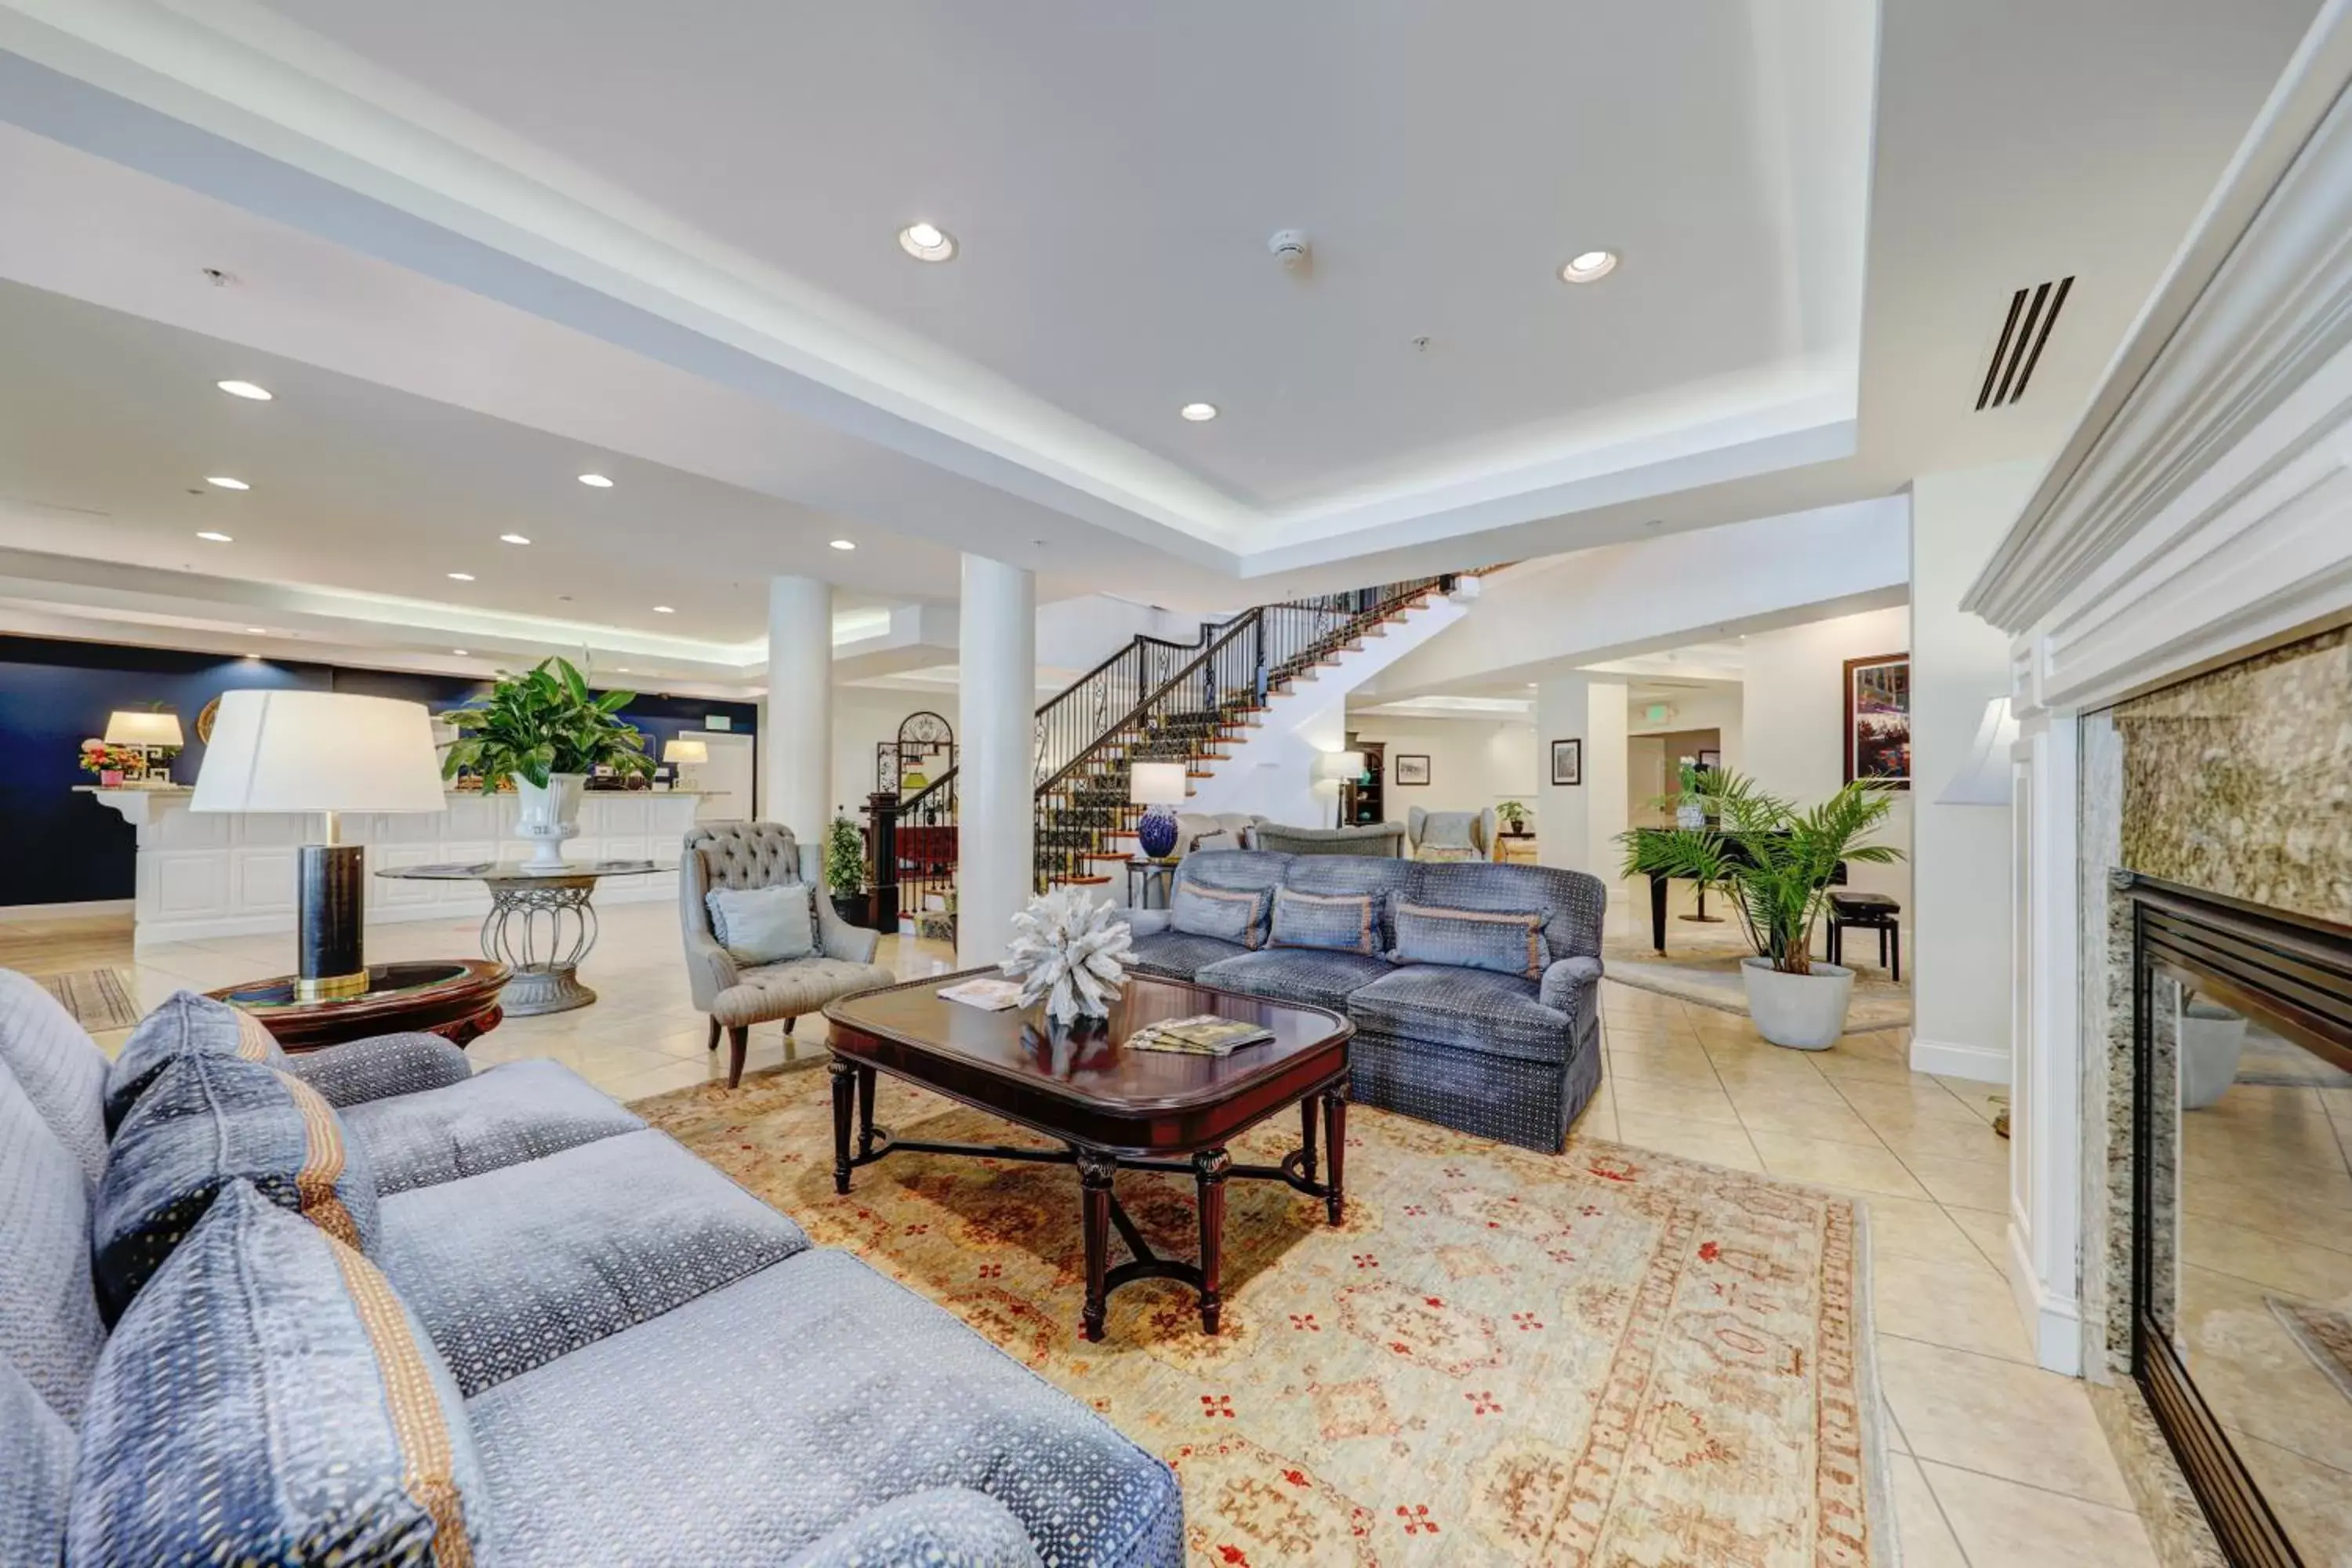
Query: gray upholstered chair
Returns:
{"type": "Point", "coordinates": [762, 855]}
{"type": "Point", "coordinates": [1451, 834]}
{"type": "Point", "coordinates": [1384, 839]}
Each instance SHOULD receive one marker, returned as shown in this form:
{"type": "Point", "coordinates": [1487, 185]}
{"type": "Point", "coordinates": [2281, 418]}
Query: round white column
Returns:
{"type": "Point", "coordinates": [796, 738]}
{"type": "Point", "coordinates": [996, 685]}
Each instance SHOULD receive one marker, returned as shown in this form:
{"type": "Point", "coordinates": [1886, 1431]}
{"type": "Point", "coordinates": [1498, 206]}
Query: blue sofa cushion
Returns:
{"type": "Point", "coordinates": [513, 1268]}
{"type": "Point", "coordinates": [268, 1399]}
{"type": "Point", "coordinates": [1475, 1009]}
{"type": "Point", "coordinates": [204, 1123]}
{"type": "Point", "coordinates": [951, 1527]}
{"type": "Point", "coordinates": [1223, 914]}
{"type": "Point", "coordinates": [1304, 975]}
{"type": "Point", "coordinates": [49, 1329]}
{"type": "Point", "coordinates": [1507, 944]}
{"type": "Point", "coordinates": [36, 1455]}
{"type": "Point", "coordinates": [515, 1111]}
{"type": "Point", "coordinates": [186, 1024]}
{"type": "Point", "coordinates": [59, 1067]}
{"type": "Point", "coordinates": [1179, 955]}
{"type": "Point", "coordinates": [1340, 876]}
{"type": "Point", "coordinates": [1338, 922]}
{"type": "Point", "coordinates": [379, 1067]}
{"type": "Point", "coordinates": [1573, 902]}
{"type": "Point", "coordinates": [833, 1391]}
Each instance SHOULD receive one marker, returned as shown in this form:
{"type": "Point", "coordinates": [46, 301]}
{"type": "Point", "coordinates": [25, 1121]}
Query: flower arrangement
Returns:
{"type": "Point", "coordinates": [1070, 951]}
{"type": "Point", "coordinates": [98, 757]}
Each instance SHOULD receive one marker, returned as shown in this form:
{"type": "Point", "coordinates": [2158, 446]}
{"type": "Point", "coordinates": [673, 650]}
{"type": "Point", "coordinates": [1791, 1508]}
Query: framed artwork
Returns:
{"type": "Point", "coordinates": [1709, 760]}
{"type": "Point", "coordinates": [1878, 719]}
{"type": "Point", "coordinates": [1567, 762]}
{"type": "Point", "coordinates": [1411, 769]}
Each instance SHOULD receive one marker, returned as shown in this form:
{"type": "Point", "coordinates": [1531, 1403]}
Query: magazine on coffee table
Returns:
{"type": "Point", "coordinates": [1204, 1035]}
{"type": "Point", "coordinates": [988, 995]}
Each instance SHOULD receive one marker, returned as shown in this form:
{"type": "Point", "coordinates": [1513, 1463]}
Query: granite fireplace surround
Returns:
{"type": "Point", "coordinates": [2236, 782]}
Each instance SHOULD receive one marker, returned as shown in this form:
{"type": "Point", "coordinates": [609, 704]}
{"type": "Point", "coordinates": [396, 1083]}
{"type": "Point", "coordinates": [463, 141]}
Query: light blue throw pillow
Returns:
{"type": "Point", "coordinates": [764, 925]}
{"type": "Point", "coordinates": [1336, 922]}
{"type": "Point", "coordinates": [1228, 914]}
{"type": "Point", "coordinates": [1503, 942]}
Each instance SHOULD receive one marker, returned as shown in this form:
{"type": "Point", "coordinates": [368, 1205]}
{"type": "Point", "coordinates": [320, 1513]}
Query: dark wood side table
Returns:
{"type": "Point", "coordinates": [456, 998]}
{"type": "Point", "coordinates": [1110, 1107]}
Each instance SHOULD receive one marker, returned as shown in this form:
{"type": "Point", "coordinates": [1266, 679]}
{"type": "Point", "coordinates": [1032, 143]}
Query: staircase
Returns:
{"type": "Point", "coordinates": [1153, 700]}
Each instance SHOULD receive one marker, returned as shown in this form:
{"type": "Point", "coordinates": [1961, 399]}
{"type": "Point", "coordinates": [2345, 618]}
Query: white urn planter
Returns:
{"type": "Point", "coordinates": [1805, 1012]}
{"type": "Point", "coordinates": [547, 817]}
{"type": "Point", "coordinates": [2213, 1039]}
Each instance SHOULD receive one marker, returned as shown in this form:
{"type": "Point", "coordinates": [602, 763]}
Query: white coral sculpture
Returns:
{"type": "Point", "coordinates": [1072, 952]}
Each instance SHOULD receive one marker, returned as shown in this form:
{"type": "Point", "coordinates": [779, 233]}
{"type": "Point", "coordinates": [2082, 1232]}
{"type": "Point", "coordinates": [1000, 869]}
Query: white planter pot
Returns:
{"type": "Point", "coordinates": [547, 818]}
{"type": "Point", "coordinates": [2213, 1038]}
{"type": "Point", "coordinates": [1806, 1012]}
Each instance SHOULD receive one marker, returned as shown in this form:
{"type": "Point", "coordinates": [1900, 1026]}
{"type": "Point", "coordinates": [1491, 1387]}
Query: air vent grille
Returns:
{"type": "Point", "coordinates": [2032, 312]}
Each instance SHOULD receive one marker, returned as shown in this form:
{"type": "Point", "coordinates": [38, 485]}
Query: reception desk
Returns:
{"type": "Point", "coordinates": [211, 874]}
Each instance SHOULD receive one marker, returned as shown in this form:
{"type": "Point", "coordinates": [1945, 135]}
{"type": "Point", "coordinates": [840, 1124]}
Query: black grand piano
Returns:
{"type": "Point", "coordinates": [1658, 881]}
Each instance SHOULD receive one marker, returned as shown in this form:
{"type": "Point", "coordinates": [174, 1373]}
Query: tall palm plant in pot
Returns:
{"type": "Point", "coordinates": [1777, 862]}
{"type": "Point", "coordinates": [545, 731]}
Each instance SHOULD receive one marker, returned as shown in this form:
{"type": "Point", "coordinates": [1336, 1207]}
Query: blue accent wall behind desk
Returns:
{"type": "Point", "coordinates": [60, 848]}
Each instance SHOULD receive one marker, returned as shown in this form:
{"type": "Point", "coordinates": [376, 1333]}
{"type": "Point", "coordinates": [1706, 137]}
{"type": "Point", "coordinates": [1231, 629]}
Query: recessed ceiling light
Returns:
{"type": "Point", "coordinates": [513, 539]}
{"type": "Point", "coordinates": [1590, 266]}
{"type": "Point", "coordinates": [458, 651]}
{"type": "Point", "coordinates": [596, 481]}
{"type": "Point", "coordinates": [259, 631]}
{"type": "Point", "coordinates": [664, 610]}
{"type": "Point", "coordinates": [216, 538]}
{"type": "Point", "coordinates": [1197, 412]}
{"type": "Point", "coordinates": [245, 389]}
{"type": "Point", "coordinates": [222, 481]}
{"type": "Point", "coordinates": [461, 576]}
{"type": "Point", "coordinates": [845, 544]}
{"type": "Point", "coordinates": [621, 670]}
{"type": "Point", "coordinates": [927, 242]}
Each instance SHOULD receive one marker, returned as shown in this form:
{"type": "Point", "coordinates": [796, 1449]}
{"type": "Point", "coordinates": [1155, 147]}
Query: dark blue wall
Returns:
{"type": "Point", "coordinates": [57, 847]}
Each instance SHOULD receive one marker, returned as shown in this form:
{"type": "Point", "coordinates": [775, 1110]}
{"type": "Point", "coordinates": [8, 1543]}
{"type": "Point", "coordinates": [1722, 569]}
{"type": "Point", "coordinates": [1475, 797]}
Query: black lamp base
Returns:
{"type": "Point", "coordinates": [329, 882]}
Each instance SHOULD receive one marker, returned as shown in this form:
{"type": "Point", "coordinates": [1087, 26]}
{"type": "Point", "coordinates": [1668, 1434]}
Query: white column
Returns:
{"type": "Point", "coordinates": [796, 731]}
{"type": "Point", "coordinates": [1577, 824]}
{"type": "Point", "coordinates": [996, 696]}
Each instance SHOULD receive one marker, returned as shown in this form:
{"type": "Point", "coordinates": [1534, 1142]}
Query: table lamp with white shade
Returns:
{"type": "Point", "coordinates": [327, 752]}
{"type": "Point", "coordinates": [1159, 786]}
{"type": "Point", "coordinates": [150, 731]}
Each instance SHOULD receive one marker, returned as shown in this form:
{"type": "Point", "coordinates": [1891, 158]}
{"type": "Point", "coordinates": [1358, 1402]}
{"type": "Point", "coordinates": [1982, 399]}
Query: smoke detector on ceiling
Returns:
{"type": "Point", "coordinates": [1291, 248]}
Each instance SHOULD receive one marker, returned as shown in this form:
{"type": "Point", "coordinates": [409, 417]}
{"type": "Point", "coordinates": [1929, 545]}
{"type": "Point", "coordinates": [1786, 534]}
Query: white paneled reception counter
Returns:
{"type": "Point", "coordinates": [209, 874]}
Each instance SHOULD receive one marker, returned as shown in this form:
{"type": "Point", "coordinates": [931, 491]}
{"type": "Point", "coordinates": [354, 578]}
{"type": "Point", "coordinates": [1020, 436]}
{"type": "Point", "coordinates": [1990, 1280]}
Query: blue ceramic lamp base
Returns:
{"type": "Point", "coordinates": [1156, 833]}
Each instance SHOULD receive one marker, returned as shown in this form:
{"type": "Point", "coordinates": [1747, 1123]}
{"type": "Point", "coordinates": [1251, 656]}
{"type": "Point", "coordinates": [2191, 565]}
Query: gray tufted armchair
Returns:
{"type": "Point", "coordinates": [762, 855]}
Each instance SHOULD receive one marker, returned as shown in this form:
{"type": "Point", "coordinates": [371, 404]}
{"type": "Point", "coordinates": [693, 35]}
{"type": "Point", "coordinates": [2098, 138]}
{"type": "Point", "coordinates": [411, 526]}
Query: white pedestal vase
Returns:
{"type": "Point", "coordinates": [2213, 1038]}
{"type": "Point", "coordinates": [547, 818]}
{"type": "Point", "coordinates": [1805, 1012]}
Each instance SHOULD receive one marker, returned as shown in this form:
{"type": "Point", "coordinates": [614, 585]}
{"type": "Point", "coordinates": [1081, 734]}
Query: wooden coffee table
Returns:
{"type": "Point", "coordinates": [1110, 1107]}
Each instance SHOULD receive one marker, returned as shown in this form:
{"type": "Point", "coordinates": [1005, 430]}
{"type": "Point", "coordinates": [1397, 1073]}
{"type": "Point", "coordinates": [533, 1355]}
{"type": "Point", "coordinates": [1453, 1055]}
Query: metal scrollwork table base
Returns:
{"type": "Point", "coordinates": [542, 923]}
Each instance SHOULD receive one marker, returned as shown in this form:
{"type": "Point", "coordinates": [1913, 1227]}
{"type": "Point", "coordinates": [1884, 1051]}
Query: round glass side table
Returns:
{"type": "Point", "coordinates": [541, 922]}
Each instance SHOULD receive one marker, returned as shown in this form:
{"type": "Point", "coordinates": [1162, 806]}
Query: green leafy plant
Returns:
{"type": "Point", "coordinates": [1514, 815]}
{"type": "Point", "coordinates": [540, 723]}
{"type": "Point", "coordinates": [1776, 859]}
{"type": "Point", "coordinates": [845, 857]}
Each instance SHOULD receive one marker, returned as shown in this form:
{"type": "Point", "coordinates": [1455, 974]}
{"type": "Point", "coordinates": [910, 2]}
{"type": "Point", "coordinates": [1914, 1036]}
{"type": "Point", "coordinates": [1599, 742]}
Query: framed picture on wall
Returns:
{"type": "Point", "coordinates": [1567, 762]}
{"type": "Point", "coordinates": [1878, 719]}
{"type": "Point", "coordinates": [1709, 760]}
{"type": "Point", "coordinates": [1411, 768]}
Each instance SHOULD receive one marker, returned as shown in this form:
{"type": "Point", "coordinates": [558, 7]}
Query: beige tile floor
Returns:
{"type": "Point", "coordinates": [1997, 1464]}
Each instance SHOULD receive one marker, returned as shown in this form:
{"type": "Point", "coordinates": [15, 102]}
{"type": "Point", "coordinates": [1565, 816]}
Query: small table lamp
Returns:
{"type": "Point", "coordinates": [325, 752]}
{"type": "Point", "coordinates": [150, 731]}
{"type": "Point", "coordinates": [686, 751]}
{"type": "Point", "coordinates": [1158, 785]}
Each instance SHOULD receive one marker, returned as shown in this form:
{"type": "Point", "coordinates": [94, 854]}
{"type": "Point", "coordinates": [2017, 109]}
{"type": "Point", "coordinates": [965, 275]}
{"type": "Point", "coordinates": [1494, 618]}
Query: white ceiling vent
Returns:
{"type": "Point", "coordinates": [2032, 312]}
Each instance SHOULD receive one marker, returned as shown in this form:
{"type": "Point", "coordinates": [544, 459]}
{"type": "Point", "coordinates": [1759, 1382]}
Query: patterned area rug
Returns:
{"type": "Point", "coordinates": [1705, 969]}
{"type": "Point", "coordinates": [1606, 1357]}
{"type": "Point", "coordinates": [99, 999]}
{"type": "Point", "coordinates": [2326, 1337]}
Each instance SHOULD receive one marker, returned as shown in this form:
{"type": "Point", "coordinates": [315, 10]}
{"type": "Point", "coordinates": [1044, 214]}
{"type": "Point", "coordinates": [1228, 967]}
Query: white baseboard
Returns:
{"type": "Point", "coordinates": [2054, 1323]}
{"type": "Point", "coordinates": [18, 913]}
{"type": "Point", "coordinates": [1982, 1063]}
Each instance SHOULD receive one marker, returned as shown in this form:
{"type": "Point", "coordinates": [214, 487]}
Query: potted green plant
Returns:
{"type": "Point", "coordinates": [546, 732]}
{"type": "Point", "coordinates": [1514, 815]}
{"type": "Point", "coordinates": [845, 867]}
{"type": "Point", "coordinates": [1777, 862]}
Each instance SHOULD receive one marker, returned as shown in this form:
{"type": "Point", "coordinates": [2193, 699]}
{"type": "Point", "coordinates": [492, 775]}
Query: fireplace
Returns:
{"type": "Point", "coordinates": [2240, 1286]}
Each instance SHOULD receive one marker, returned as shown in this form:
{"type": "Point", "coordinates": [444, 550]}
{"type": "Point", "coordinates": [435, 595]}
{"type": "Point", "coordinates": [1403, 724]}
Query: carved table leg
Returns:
{"type": "Point", "coordinates": [1306, 1136]}
{"type": "Point", "coordinates": [864, 1112]}
{"type": "Point", "coordinates": [1095, 1172]}
{"type": "Point", "coordinates": [1335, 1138]}
{"type": "Point", "coordinates": [1209, 1167]}
{"type": "Point", "coordinates": [845, 1086]}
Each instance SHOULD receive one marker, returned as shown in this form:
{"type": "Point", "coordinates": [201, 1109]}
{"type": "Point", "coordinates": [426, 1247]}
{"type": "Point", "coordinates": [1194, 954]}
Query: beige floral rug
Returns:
{"type": "Point", "coordinates": [1606, 1357]}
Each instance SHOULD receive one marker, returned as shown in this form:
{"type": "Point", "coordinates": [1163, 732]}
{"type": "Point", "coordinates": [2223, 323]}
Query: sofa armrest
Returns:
{"type": "Point", "coordinates": [1565, 978]}
{"type": "Point", "coordinates": [954, 1527]}
{"type": "Point", "coordinates": [838, 939]}
{"type": "Point", "coordinates": [381, 1067]}
{"type": "Point", "coordinates": [1146, 922]}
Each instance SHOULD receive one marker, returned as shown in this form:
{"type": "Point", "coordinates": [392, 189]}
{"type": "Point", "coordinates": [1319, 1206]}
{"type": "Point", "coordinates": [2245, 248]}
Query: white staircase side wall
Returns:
{"type": "Point", "coordinates": [1272, 772]}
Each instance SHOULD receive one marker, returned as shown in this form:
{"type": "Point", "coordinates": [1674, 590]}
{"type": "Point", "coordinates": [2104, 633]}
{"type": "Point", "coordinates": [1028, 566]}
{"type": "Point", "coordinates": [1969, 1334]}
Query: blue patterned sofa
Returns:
{"type": "Point", "coordinates": [1483, 1016]}
{"type": "Point", "coordinates": [366, 1306]}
